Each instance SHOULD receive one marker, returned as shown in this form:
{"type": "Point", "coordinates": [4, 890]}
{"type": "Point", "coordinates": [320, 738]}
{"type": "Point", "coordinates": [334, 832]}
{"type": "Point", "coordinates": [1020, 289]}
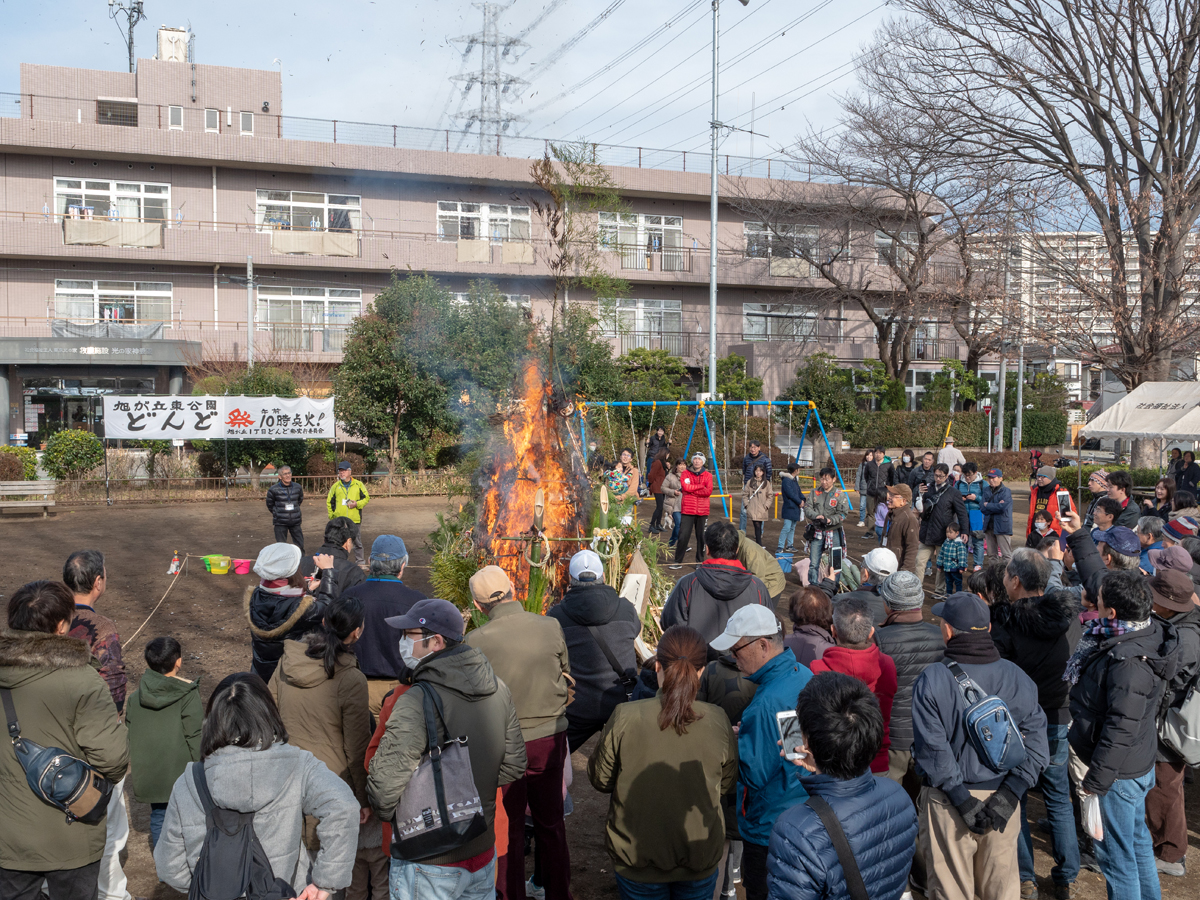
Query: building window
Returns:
{"type": "Point", "coordinates": [175, 117]}
{"type": "Point", "coordinates": [212, 120]}
{"type": "Point", "coordinates": [781, 241]}
{"type": "Point", "coordinates": [652, 324]}
{"type": "Point", "coordinates": [247, 123]}
{"type": "Point", "coordinates": [473, 221]}
{"type": "Point", "coordinates": [301, 211]}
{"type": "Point", "coordinates": [294, 315]}
{"type": "Point", "coordinates": [133, 301]}
{"type": "Point", "coordinates": [117, 112]}
{"type": "Point", "coordinates": [125, 201]}
{"type": "Point", "coordinates": [637, 235]}
{"type": "Point", "coordinates": [778, 322]}
{"type": "Point", "coordinates": [521, 301]}
{"type": "Point", "coordinates": [896, 250]}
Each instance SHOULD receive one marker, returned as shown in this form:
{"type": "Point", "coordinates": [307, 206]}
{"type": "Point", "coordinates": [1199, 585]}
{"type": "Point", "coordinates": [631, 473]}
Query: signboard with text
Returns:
{"type": "Point", "coordinates": [150, 418]}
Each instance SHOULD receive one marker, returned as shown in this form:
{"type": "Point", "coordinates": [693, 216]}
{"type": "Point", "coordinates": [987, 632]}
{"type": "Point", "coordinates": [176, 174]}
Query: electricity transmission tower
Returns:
{"type": "Point", "coordinates": [495, 86]}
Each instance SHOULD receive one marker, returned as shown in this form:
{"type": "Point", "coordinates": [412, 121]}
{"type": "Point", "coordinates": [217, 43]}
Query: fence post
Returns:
{"type": "Point", "coordinates": [685, 160]}
{"type": "Point", "coordinates": [639, 157]}
{"type": "Point", "coordinates": [104, 444]}
{"type": "Point", "coordinates": [335, 131]}
{"type": "Point", "coordinates": [279, 127]}
{"type": "Point", "coordinates": [393, 135]}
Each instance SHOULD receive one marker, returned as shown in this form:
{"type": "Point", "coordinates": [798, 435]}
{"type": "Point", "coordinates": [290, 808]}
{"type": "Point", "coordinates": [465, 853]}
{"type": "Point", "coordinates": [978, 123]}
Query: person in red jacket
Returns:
{"type": "Point", "coordinates": [696, 482]}
{"type": "Point", "coordinates": [1044, 495]}
{"type": "Point", "coordinates": [856, 654]}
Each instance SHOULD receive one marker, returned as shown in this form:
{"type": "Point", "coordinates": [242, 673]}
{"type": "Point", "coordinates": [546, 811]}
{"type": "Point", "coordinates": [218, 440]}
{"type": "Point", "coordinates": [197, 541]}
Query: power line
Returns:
{"type": "Point", "coordinates": [624, 56]}
{"type": "Point", "coordinates": [703, 81]}
{"type": "Point", "coordinates": [775, 65]}
{"type": "Point", "coordinates": [541, 17]}
{"type": "Point", "coordinates": [563, 48]}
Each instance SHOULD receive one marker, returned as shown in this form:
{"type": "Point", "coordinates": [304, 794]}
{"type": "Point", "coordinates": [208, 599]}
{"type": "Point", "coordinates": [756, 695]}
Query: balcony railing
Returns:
{"type": "Point", "coordinates": [643, 260]}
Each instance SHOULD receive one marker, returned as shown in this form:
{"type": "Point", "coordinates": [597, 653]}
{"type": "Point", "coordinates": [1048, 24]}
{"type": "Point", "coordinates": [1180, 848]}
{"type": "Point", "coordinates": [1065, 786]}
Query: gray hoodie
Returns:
{"type": "Point", "coordinates": [280, 785]}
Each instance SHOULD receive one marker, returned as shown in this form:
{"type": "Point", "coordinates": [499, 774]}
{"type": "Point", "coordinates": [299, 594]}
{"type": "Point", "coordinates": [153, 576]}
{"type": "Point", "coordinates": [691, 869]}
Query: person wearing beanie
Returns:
{"type": "Point", "coordinates": [529, 654]}
{"type": "Point", "coordinates": [1177, 529]}
{"type": "Point", "coordinates": [281, 607]}
{"type": "Point", "coordinates": [1098, 484]}
{"type": "Point", "coordinates": [902, 527]}
{"type": "Point", "coordinates": [961, 792]}
{"type": "Point", "coordinates": [997, 515]}
{"type": "Point", "coordinates": [696, 486]}
{"type": "Point", "coordinates": [1044, 496]}
{"type": "Point", "coordinates": [383, 594]}
{"type": "Point", "coordinates": [913, 644]}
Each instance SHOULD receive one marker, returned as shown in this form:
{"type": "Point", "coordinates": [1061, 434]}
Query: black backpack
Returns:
{"type": "Point", "coordinates": [232, 862]}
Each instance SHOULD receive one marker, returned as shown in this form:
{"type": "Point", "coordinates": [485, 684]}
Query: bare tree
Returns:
{"type": "Point", "coordinates": [1099, 101]}
{"type": "Point", "coordinates": [902, 236]}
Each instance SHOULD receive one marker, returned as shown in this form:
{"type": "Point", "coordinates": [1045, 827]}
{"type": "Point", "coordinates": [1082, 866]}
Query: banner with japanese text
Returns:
{"type": "Point", "coordinates": [153, 418]}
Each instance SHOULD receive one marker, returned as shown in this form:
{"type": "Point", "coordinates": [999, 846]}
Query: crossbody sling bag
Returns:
{"type": "Point", "coordinates": [854, 881]}
{"type": "Point", "coordinates": [56, 777]}
{"type": "Point", "coordinates": [627, 677]}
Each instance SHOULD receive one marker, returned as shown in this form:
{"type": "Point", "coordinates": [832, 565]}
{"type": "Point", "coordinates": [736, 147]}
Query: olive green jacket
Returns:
{"type": "Point", "coordinates": [61, 701]}
{"type": "Point", "coordinates": [477, 706]}
{"type": "Point", "coordinates": [760, 561]}
{"type": "Point", "coordinates": [529, 654]}
{"type": "Point", "coordinates": [165, 718]}
{"type": "Point", "coordinates": [664, 819]}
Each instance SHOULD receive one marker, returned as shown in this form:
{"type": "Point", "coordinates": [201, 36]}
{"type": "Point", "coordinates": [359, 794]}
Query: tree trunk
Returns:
{"type": "Point", "coordinates": [1146, 453]}
{"type": "Point", "coordinates": [256, 471]}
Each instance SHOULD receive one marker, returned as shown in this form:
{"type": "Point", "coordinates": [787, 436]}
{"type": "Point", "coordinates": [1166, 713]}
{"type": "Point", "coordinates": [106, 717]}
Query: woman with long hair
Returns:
{"type": "Point", "coordinates": [249, 766]}
{"type": "Point", "coordinates": [1162, 505]}
{"type": "Point", "coordinates": [659, 469]}
{"type": "Point", "coordinates": [757, 494]}
{"type": "Point", "coordinates": [666, 761]}
{"type": "Point", "coordinates": [323, 702]}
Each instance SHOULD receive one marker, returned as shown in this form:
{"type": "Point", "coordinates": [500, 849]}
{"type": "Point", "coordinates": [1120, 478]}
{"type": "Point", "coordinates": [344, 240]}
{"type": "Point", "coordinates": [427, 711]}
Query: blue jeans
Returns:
{"type": "Point", "coordinates": [676, 517]}
{"type": "Point", "coordinates": [787, 534]}
{"type": "Point", "coordinates": [864, 502]}
{"type": "Point", "coordinates": [420, 881]}
{"type": "Point", "coordinates": [815, 548]}
{"type": "Point", "coordinates": [1056, 790]}
{"type": "Point", "coordinates": [977, 546]}
{"type": "Point", "coordinates": [671, 890]}
{"type": "Point", "coordinates": [158, 812]}
{"type": "Point", "coordinates": [1126, 855]}
{"type": "Point", "coordinates": [742, 519]}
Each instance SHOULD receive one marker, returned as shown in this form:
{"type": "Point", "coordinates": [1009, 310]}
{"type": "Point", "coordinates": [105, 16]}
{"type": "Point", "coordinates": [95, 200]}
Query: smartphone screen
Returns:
{"type": "Point", "coordinates": [789, 733]}
{"type": "Point", "coordinates": [835, 559]}
{"type": "Point", "coordinates": [1064, 502]}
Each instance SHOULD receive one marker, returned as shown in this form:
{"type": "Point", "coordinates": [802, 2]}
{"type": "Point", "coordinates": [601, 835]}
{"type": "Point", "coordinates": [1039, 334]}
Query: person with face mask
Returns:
{"type": "Point", "coordinates": [476, 705]}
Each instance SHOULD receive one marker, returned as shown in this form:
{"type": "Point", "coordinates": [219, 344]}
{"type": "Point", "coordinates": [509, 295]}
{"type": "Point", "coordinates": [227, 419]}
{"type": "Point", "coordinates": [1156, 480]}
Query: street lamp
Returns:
{"type": "Point", "coordinates": [715, 126]}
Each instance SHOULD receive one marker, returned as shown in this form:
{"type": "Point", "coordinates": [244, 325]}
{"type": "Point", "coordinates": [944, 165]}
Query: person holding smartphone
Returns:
{"type": "Point", "coordinates": [1048, 494]}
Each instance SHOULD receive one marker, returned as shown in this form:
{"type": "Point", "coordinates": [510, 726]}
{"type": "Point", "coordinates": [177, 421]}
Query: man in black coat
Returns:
{"type": "Point", "coordinates": [752, 459]}
{"type": "Point", "coordinates": [339, 541]}
{"type": "Point", "coordinates": [922, 474]}
{"type": "Point", "coordinates": [1118, 673]}
{"type": "Point", "coordinates": [706, 598]}
{"type": "Point", "coordinates": [939, 504]}
{"type": "Point", "coordinates": [593, 617]}
{"type": "Point", "coordinates": [283, 502]}
{"type": "Point", "coordinates": [1173, 594]}
{"type": "Point", "coordinates": [1038, 631]}
{"type": "Point", "coordinates": [879, 476]}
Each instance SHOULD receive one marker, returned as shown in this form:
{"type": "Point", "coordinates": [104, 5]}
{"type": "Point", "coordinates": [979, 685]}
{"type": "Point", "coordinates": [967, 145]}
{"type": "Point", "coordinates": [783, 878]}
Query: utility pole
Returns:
{"type": "Point", "coordinates": [132, 11]}
{"type": "Point", "coordinates": [493, 83]}
{"type": "Point", "coordinates": [1018, 434]}
{"type": "Point", "coordinates": [249, 313]}
{"type": "Point", "coordinates": [712, 205]}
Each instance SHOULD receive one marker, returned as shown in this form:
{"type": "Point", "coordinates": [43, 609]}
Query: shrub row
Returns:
{"type": "Point", "coordinates": [28, 460]}
{"type": "Point", "coordinates": [927, 429]}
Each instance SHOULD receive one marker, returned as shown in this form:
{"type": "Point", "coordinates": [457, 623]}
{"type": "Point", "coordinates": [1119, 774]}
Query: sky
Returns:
{"type": "Point", "coordinates": [609, 71]}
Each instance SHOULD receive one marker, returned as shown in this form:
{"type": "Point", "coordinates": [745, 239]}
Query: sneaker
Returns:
{"type": "Point", "coordinates": [862, 524]}
{"type": "Point", "coordinates": [978, 568]}
{"type": "Point", "coordinates": [674, 567]}
{"type": "Point", "coordinates": [1064, 891]}
{"type": "Point", "coordinates": [1029, 890]}
{"type": "Point", "coordinates": [1174, 869]}
{"type": "Point", "coordinates": [532, 890]}
{"type": "Point", "coordinates": [1089, 862]}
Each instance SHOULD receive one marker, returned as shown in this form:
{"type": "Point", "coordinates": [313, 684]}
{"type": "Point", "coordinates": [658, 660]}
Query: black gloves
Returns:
{"type": "Point", "coordinates": [1000, 807]}
{"type": "Point", "coordinates": [975, 816]}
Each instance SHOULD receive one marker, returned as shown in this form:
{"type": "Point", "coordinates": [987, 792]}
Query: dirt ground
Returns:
{"type": "Point", "coordinates": [204, 612]}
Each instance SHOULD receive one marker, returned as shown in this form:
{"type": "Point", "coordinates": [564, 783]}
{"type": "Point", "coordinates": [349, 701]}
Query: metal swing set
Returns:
{"type": "Point", "coordinates": [701, 415]}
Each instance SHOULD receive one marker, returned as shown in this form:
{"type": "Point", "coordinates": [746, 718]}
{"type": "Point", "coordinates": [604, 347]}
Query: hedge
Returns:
{"type": "Point", "coordinates": [28, 457]}
{"type": "Point", "coordinates": [927, 429]}
{"type": "Point", "coordinates": [1142, 478]}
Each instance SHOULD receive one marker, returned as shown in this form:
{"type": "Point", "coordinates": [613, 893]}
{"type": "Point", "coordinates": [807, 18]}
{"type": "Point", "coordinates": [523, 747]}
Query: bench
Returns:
{"type": "Point", "coordinates": [41, 494]}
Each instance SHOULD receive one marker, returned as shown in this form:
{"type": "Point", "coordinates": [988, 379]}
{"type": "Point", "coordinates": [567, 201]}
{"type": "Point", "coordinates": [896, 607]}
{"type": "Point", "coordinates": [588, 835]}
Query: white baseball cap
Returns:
{"type": "Point", "coordinates": [749, 621]}
{"type": "Point", "coordinates": [881, 561]}
{"type": "Point", "coordinates": [589, 562]}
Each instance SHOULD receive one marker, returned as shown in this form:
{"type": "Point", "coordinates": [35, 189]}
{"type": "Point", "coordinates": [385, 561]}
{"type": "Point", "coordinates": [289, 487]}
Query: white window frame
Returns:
{"type": "Point", "coordinates": [651, 232]}
{"type": "Point", "coordinates": [291, 214]}
{"type": "Point", "coordinates": [213, 115]}
{"type": "Point", "coordinates": [888, 248]}
{"type": "Point", "coordinates": [652, 323]}
{"type": "Point", "coordinates": [174, 112]}
{"type": "Point", "coordinates": [779, 322]}
{"type": "Point", "coordinates": [499, 222]}
{"type": "Point", "coordinates": [294, 331]}
{"type": "Point", "coordinates": [103, 198]}
{"type": "Point", "coordinates": [763, 242]}
{"type": "Point", "coordinates": [520, 301]}
{"type": "Point", "coordinates": [247, 116]}
{"type": "Point", "coordinates": [101, 295]}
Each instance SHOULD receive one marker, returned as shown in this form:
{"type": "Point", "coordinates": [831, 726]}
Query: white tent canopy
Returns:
{"type": "Point", "coordinates": [1156, 409]}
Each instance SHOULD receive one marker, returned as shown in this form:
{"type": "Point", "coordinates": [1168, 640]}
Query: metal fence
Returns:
{"type": "Point", "coordinates": [338, 131]}
{"type": "Point", "coordinates": [97, 491]}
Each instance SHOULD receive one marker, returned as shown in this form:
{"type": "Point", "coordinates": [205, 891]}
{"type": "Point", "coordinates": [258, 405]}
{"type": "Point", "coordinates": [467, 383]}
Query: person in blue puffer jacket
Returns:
{"type": "Point", "coordinates": [840, 724]}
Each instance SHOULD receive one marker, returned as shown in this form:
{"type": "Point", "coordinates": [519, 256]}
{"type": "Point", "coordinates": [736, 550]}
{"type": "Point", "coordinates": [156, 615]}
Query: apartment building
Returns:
{"type": "Point", "coordinates": [132, 203]}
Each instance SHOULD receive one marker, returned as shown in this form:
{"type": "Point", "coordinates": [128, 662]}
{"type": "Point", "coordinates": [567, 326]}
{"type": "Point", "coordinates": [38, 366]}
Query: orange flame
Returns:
{"type": "Point", "coordinates": [533, 451]}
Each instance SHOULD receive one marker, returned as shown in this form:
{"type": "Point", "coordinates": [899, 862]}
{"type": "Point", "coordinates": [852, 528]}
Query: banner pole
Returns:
{"type": "Point", "coordinates": [226, 470]}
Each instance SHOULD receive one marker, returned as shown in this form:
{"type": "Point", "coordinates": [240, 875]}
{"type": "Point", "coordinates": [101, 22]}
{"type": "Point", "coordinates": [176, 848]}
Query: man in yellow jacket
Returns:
{"type": "Point", "coordinates": [347, 498]}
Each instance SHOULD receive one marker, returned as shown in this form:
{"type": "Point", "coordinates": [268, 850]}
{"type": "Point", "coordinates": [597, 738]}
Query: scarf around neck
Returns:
{"type": "Point", "coordinates": [973, 649]}
{"type": "Point", "coordinates": [1098, 631]}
